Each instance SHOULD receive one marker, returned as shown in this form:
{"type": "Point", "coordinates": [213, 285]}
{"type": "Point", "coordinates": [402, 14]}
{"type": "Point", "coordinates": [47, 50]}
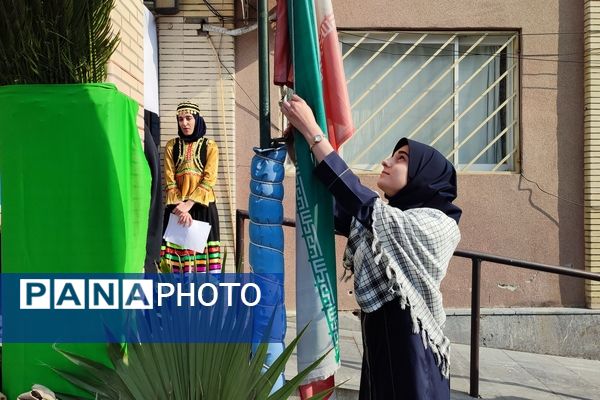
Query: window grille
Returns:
{"type": "Point", "coordinates": [456, 91]}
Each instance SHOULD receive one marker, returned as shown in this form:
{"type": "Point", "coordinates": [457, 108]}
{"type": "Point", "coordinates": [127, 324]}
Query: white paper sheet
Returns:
{"type": "Point", "coordinates": [194, 237]}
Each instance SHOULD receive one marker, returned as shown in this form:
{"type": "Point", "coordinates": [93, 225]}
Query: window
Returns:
{"type": "Point", "coordinates": [454, 91]}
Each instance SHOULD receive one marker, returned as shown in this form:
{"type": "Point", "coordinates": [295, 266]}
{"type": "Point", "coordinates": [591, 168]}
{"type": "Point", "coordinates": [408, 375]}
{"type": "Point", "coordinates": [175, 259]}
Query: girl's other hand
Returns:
{"type": "Point", "coordinates": [183, 208]}
{"type": "Point", "coordinates": [185, 219]}
{"type": "Point", "coordinates": [300, 116]}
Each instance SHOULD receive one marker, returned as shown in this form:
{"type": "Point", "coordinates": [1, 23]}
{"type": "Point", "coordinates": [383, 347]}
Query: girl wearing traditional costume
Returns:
{"type": "Point", "coordinates": [191, 163]}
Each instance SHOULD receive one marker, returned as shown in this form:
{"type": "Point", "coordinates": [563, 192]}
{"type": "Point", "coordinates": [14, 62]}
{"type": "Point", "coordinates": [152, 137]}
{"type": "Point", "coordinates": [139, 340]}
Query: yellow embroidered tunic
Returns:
{"type": "Point", "coordinates": [187, 178]}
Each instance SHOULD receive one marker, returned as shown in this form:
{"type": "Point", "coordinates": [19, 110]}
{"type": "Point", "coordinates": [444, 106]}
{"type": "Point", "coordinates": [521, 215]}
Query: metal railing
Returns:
{"type": "Point", "coordinates": [476, 260]}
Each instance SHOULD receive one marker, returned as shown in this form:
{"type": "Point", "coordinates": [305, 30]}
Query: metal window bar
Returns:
{"type": "Point", "coordinates": [456, 108]}
{"type": "Point", "coordinates": [490, 144]}
{"type": "Point", "coordinates": [457, 115]}
{"type": "Point", "coordinates": [366, 63]}
{"type": "Point", "coordinates": [476, 260]}
{"type": "Point", "coordinates": [473, 104]}
{"type": "Point", "coordinates": [512, 139]}
{"type": "Point", "coordinates": [504, 159]}
{"type": "Point", "coordinates": [362, 39]}
{"type": "Point", "coordinates": [417, 101]}
{"type": "Point", "coordinates": [405, 83]}
{"type": "Point", "coordinates": [492, 86]}
{"type": "Point", "coordinates": [485, 121]}
{"type": "Point", "coordinates": [454, 95]}
{"type": "Point", "coordinates": [389, 70]}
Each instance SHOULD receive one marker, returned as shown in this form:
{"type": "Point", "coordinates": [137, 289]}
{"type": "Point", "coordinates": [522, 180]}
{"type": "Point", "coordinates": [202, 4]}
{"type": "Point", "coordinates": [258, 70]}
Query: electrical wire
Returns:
{"type": "Point", "coordinates": [226, 137]}
{"type": "Point", "coordinates": [218, 57]}
{"type": "Point", "coordinates": [217, 14]}
{"type": "Point", "coordinates": [524, 177]}
{"type": "Point", "coordinates": [452, 52]}
{"type": "Point", "coordinates": [455, 53]}
{"type": "Point", "coordinates": [558, 197]}
{"type": "Point", "coordinates": [273, 125]}
{"type": "Point", "coordinates": [492, 33]}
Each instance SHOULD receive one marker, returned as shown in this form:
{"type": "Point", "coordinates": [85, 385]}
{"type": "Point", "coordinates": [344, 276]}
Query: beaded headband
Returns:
{"type": "Point", "coordinates": [188, 107]}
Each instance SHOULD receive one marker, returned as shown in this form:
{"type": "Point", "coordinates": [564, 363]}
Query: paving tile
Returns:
{"type": "Point", "coordinates": [557, 375]}
{"type": "Point", "coordinates": [504, 375]}
{"type": "Point", "coordinates": [587, 370]}
{"type": "Point", "coordinates": [499, 375]}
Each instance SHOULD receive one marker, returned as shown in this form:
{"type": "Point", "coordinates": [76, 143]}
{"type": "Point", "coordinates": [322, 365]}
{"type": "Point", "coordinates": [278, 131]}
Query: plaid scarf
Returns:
{"type": "Point", "coordinates": [405, 255]}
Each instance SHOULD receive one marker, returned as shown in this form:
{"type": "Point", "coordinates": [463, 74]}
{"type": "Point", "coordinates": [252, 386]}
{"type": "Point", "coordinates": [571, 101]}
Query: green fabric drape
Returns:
{"type": "Point", "coordinates": [75, 198]}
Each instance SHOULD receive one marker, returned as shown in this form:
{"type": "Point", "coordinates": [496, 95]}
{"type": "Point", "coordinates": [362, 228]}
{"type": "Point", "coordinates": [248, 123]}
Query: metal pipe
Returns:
{"type": "Point", "coordinates": [225, 31]}
{"type": "Point", "coordinates": [264, 116]}
{"type": "Point", "coordinates": [528, 265]}
{"type": "Point", "coordinates": [239, 238]}
{"type": "Point", "coordinates": [476, 259]}
{"type": "Point", "coordinates": [475, 315]}
{"type": "Point", "coordinates": [286, 221]}
{"type": "Point", "coordinates": [472, 255]}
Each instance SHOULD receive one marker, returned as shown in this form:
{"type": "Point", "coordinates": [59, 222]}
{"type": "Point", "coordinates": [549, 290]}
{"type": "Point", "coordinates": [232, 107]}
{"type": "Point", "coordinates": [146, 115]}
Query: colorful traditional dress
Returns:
{"type": "Point", "coordinates": [190, 174]}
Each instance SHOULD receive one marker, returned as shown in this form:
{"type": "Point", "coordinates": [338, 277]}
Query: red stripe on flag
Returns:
{"type": "Point", "coordinates": [283, 72]}
{"type": "Point", "coordinates": [335, 93]}
{"type": "Point", "coordinates": [310, 389]}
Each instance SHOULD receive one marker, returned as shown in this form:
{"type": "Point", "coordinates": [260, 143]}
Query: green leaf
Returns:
{"type": "Point", "coordinates": [55, 41]}
{"type": "Point", "coordinates": [191, 371]}
{"type": "Point", "coordinates": [268, 379]}
{"type": "Point", "coordinates": [89, 384]}
{"type": "Point", "coordinates": [321, 395]}
{"type": "Point", "coordinates": [286, 390]}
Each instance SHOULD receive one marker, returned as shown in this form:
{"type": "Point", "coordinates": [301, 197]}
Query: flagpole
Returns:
{"type": "Point", "coordinates": [263, 75]}
{"type": "Point", "coordinates": [266, 208]}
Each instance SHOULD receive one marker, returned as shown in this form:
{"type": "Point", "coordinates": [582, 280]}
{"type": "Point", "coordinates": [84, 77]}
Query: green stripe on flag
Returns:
{"type": "Point", "coordinates": [314, 204]}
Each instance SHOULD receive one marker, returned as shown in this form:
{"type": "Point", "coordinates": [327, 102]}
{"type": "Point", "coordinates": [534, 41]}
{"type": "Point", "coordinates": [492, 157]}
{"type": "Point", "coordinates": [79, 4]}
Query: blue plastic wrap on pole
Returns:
{"type": "Point", "coordinates": [266, 246]}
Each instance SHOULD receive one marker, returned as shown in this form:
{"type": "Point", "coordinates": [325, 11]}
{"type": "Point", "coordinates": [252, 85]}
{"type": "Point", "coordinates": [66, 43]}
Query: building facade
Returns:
{"type": "Point", "coordinates": [505, 89]}
{"type": "Point", "coordinates": [126, 66]}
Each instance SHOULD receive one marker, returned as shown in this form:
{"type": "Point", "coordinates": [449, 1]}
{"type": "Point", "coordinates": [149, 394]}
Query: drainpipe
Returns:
{"type": "Point", "coordinates": [263, 75]}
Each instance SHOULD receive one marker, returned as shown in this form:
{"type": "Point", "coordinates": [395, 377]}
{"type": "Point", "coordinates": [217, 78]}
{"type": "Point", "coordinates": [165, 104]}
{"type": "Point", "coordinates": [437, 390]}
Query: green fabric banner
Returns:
{"type": "Point", "coordinates": [75, 198]}
{"type": "Point", "coordinates": [316, 283]}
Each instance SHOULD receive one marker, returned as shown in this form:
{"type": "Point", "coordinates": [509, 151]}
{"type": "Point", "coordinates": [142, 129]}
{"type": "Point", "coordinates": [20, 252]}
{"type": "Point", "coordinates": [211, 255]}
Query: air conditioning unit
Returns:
{"type": "Point", "coordinates": [164, 7]}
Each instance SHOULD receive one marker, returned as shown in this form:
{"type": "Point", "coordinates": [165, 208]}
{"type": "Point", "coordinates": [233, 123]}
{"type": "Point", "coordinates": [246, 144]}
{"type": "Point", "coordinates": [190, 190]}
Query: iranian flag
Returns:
{"type": "Point", "coordinates": [306, 35]}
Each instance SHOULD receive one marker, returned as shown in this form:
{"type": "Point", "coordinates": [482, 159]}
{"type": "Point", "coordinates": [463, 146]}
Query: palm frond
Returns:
{"type": "Point", "coordinates": [184, 370]}
{"type": "Point", "coordinates": [55, 41]}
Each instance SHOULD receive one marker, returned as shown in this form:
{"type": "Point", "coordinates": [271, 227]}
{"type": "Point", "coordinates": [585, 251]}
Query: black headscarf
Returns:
{"type": "Point", "coordinates": [431, 181]}
{"type": "Point", "coordinates": [199, 129]}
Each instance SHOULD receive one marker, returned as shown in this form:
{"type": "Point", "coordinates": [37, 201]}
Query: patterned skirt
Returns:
{"type": "Point", "coordinates": [174, 258]}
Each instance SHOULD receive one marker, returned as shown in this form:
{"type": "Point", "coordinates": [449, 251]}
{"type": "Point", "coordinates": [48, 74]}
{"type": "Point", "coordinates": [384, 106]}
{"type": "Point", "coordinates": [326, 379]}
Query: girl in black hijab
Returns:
{"type": "Point", "coordinates": [431, 181]}
{"type": "Point", "coordinates": [399, 254]}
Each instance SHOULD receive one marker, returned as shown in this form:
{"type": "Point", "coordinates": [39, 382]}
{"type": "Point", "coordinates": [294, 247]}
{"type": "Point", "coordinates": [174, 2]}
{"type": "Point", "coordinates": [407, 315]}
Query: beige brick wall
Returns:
{"type": "Point", "coordinates": [126, 67]}
{"type": "Point", "coordinates": [189, 70]}
{"type": "Point", "coordinates": [592, 149]}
